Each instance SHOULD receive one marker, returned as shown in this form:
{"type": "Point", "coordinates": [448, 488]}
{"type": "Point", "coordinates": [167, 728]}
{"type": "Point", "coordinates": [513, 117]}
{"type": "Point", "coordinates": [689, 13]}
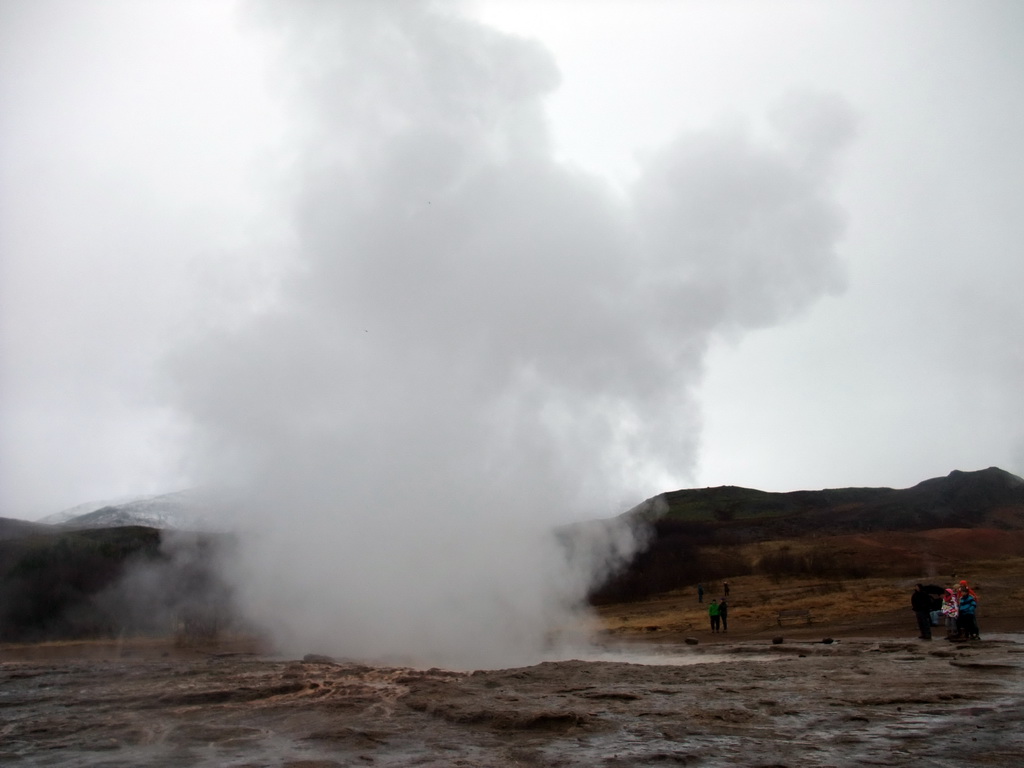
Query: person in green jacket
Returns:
{"type": "Point", "coordinates": [716, 617]}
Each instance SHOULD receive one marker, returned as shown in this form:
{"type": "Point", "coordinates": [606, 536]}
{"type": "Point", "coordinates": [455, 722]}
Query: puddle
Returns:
{"type": "Point", "coordinates": [668, 658]}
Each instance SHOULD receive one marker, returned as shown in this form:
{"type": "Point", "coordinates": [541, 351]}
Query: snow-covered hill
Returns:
{"type": "Point", "coordinates": [85, 508]}
{"type": "Point", "coordinates": [183, 510]}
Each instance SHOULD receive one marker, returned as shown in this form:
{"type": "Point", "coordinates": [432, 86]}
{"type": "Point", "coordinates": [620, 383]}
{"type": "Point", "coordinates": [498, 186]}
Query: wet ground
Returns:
{"type": "Point", "coordinates": [854, 702]}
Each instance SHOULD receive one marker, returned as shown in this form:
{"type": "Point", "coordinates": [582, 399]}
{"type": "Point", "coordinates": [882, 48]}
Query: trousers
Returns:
{"type": "Point", "coordinates": [924, 623]}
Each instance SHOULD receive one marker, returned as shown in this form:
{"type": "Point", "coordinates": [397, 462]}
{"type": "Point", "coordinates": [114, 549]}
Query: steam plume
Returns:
{"type": "Point", "coordinates": [475, 342]}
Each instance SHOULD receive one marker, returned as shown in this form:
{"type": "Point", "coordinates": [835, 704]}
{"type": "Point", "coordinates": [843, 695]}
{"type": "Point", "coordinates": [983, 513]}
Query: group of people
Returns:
{"type": "Point", "coordinates": [959, 606]}
{"type": "Point", "coordinates": [718, 610]}
{"type": "Point", "coordinates": [700, 591]}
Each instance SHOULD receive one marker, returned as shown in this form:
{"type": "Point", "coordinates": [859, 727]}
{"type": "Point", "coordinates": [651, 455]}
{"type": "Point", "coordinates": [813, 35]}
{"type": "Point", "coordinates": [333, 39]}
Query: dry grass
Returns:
{"type": "Point", "coordinates": [127, 647]}
{"type": "Point", "coordinates": [848, 605]}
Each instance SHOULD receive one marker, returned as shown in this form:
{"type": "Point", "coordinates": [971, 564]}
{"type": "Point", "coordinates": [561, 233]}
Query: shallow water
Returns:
{"type": "Point", "coordinates": [668, 656]}
{"type": "Point", "coordinates": [884, 702]}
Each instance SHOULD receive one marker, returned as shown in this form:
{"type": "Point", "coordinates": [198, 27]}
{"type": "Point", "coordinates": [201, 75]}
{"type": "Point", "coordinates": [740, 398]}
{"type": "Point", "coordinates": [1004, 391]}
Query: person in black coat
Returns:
{"type": "Point", "coordinates": [923, 603]}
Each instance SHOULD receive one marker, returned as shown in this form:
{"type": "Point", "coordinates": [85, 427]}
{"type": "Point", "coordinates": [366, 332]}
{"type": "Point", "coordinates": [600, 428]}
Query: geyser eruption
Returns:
{"type": "Point", "coordinates": [473, 342]}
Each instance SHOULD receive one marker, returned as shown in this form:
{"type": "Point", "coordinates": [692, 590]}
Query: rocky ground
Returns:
{"type": "Point", "coordinates": [659, 690]}
{"type": "Point", "coordinates": [854, 701]}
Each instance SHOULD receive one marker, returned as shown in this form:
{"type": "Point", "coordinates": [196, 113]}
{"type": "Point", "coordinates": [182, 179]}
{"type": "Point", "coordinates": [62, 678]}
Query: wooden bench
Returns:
{"type": "Point", "coordinates": [794, 613]}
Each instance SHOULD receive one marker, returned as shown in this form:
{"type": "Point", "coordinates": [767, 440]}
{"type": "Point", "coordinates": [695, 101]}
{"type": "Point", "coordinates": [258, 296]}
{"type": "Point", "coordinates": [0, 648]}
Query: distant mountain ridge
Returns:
{"type": "Point", "coordinates": [61, 581]}
{"type": "Point", "coordinates": [704, 534]}
{"type": "Point", "coordinates": [181, 510]}
{"type": "Point", "coordinates": [985, 498]}
{"type": "Point", "coordinates": [58, 518]}
{"type": "Point", "coordinates": [18, 529]}
{"type": "Point", "coordinates": [989, 497]}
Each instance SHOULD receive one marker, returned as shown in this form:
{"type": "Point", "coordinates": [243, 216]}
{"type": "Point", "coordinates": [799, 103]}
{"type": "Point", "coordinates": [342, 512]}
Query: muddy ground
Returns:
{"type": "Point", "coordinates": [748, 702]}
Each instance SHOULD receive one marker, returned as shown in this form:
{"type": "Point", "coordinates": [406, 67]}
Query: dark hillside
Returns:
{"type": "Point", "coordinates": [16, 529]}
{"type": "Point", "coordinates": [102, 582]}
{"type": "Point", "coordinates": [695, 533]}
{"type": "Point", "coordinates": [986, 498]}
{"type": "Point", "coordinates": [730, 503]}
{"type": "Point", "coordinates": [48, 582]}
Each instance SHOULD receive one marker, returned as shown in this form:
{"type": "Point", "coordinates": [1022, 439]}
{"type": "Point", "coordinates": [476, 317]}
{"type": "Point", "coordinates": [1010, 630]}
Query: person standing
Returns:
{"type": "Point", "coordinates": [714, 615]}
{"type": "Point", "coordinates": [921, 603]}
{"type": "Point", "coordinates": [723, 614]}
{"type": "Point", "coordinates": [700, 593]}
{"type": "Point", "coordinates": [725, 588]}
{"type": "Point", "coordinates": [951, 609]}
{"type": "Point", "coordinates": [967, 620]}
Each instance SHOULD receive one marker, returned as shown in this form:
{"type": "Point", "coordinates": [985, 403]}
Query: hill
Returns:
{"type": "Point", "coordinates": [58, 518]}
{"type": "Point", "coordinates": [101, 573]}
{"type": "Point", "coordinates": [61, 584]}
{"type": "Point", "coordinates": [181, 510]}
{"type": "Point", "coordinates": [712, 533]}
{"type": "Point", "coordinates": [987, 498]}
{"type": "Point", "coordinates": [16, 529]}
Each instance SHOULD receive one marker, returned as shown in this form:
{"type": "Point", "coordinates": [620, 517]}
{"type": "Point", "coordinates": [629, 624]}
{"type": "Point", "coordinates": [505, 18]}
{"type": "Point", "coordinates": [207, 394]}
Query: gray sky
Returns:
{"type": "Point", "coordinates": [650, 246]}
{"type": "Point", "coordinates": [917, 366]}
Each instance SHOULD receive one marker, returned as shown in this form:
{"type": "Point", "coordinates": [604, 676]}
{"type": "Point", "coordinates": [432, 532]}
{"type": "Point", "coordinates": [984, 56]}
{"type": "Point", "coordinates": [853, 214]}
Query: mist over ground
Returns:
{"type": "Point", "coordinates": [471, 342]}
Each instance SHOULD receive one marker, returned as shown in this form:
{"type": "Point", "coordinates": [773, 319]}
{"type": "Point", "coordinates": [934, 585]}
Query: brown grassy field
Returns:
{"type": "Point", "coordinates": [839, 608]}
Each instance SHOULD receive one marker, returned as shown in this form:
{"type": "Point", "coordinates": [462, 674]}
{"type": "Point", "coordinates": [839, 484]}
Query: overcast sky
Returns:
{"type": "Point", "coordinates": [580, 257]}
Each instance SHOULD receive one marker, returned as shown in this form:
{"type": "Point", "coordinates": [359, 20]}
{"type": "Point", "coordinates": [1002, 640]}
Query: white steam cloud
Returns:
{"type": "Point", "coordinates": [473, 342]}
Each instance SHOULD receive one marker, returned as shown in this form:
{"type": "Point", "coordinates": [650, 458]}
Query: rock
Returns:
{"type": "Point", "coordinates": [691, 641]}
{"type": "Point", "coordinates": [828, 641]}
{"type": "Point", "coordinates": [776, 641]}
